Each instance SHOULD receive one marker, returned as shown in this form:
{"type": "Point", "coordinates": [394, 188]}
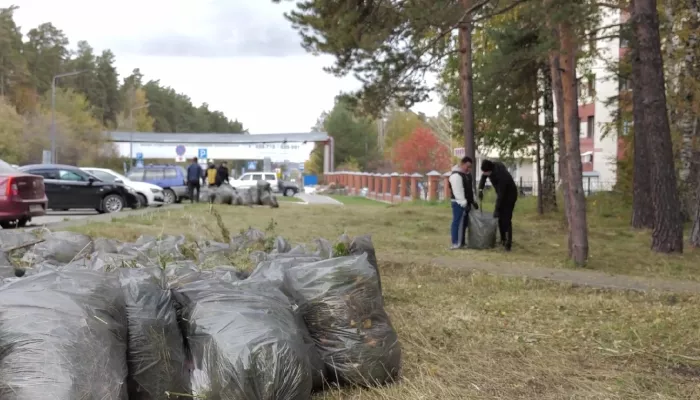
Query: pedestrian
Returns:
{"type": "Point", "coordinates": [194, 174]}
{"type": "Point", "coordinates": [462, 200]}
{"type": "Point", "coordinates": [506, 196]}
{"type": "Point", "coordinates": [222, 174]}
{"type": "Point", "coordinates": [211, 173]}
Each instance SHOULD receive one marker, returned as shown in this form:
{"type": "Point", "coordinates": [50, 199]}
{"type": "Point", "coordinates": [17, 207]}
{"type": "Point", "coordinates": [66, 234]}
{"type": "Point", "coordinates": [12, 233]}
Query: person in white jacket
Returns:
{"type": "Point", "coordinates": [462, 198]}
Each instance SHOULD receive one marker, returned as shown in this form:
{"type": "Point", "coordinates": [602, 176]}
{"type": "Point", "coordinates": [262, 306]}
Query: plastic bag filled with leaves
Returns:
{"type": "Point", "coordinates": [246, 196]}
{"type": "Point", "coordinates": [363, 245]}
{"type": "Point", "coordinates": [482, 230]}
{"type": "Point", "coordinates": [224, 194]}
{"type": "Point", "coordinates": [342, 306]}
{"type": "Point", "coordinates": [245, 342]}
{"type": "Point", "coordinates": [156, 352]}
{"type": "Point", "coordinates": [63, 337]}
{"type": "Point", "coordinates": [61, 247]}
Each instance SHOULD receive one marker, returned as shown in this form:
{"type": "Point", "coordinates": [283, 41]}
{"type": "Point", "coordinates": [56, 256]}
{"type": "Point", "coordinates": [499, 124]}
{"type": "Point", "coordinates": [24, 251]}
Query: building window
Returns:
{"type": "Point", "coordinates": [626, 128]}
{"type": "Point", "coordinates": [591, 85]}
{"type": "Point", "coordinates": [625, 84]}
{"type": "Point", "coordinates": [590, 126]}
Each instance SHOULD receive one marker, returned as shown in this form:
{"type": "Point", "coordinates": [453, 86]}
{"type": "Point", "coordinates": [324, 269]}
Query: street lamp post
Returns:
{"type": "Point", "coordinates": [53, 112]}
{"type": "Point", "coordinates": [131, 128]}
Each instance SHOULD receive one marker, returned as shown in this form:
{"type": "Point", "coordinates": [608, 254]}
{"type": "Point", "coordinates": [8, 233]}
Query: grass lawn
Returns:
{"type": "Point", "coordinates": [357, 200]}
{"type": "Point", "coordinates": [477, 336]}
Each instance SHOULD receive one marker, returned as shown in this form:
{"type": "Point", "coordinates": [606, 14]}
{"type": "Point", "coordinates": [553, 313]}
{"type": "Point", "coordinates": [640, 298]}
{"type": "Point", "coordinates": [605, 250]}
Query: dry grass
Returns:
{"type": "Point", "coordinates": [475, 336]}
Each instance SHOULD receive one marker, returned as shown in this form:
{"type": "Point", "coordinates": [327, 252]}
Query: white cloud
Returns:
{"type": "Point", "coordinates": [248, 64]}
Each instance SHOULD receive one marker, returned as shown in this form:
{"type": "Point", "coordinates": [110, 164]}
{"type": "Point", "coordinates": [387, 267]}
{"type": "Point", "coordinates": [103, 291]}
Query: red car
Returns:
{"type": "Point", "coordinates": [21, 197]}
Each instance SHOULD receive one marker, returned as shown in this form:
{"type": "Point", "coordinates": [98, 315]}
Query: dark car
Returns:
{"type": "Point", "coordinates": [69, 187]}
{"type": "Point", "coordinates": [287, 188]}
{"type": "Point", "coordinates": [172, 178]}
{"type": "Point", "coordinates": [21, 197]}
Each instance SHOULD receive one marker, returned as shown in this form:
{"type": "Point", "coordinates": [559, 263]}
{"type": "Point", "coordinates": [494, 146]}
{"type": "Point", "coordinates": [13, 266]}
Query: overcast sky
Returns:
{"type": "Point", "coordinates": [240, 56]}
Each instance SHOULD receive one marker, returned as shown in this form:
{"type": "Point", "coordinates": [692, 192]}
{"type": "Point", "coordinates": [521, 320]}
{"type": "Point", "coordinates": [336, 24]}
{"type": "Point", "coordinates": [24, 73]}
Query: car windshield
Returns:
{"type": "Point", "coordinates": [6, 168]}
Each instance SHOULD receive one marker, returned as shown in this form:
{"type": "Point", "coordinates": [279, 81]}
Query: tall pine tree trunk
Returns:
{"type": "Point", "coordinates": [558, 92]}
{"type": "Point", "coordinates": [642, 207]}
{"type": "Point", "coordinates": [578, 229]}
{"type": "Point", "coordinates": [667, 236]}
{"type": "Point", "coordinates": [549, 194]}
{"type": "Point", "coordinates": [467, 83]}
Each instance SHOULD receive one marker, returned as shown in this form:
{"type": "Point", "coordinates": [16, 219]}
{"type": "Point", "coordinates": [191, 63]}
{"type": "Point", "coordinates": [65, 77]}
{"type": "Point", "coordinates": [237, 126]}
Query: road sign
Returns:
{"type": "Point", "coordinates": [252, 165]}
{"type": "Point", "coordinates": [301, 168]}
{"type": "Point", "coordinates": [180, 150]}
{"type": "Point", "coordinates": [202, 154]}
{"type": "Point", "coordinates": [139, 156]}
{"type": "Point", "coordinates": [459, 152]}
{"type": "Point", "coordinates": [179, 159]}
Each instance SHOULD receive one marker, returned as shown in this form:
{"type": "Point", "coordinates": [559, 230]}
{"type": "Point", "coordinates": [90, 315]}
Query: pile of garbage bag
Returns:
{"type": "Point", "coordinates": [260, 195]}
{"type": "Point", "coordinates": [166, 318]}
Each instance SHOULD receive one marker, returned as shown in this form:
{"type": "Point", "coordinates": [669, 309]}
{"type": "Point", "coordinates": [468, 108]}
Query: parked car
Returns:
{"type": "Point", "coordinates": [69, 187]}
{"type": "Point", "coordinates": [22, 196]}
{"type": "Point", "coordinates": [251, 179]}
{"type": "Point", "coordinates": [172, 178]}
{"type": "Point", "coordinates": [149, 195]}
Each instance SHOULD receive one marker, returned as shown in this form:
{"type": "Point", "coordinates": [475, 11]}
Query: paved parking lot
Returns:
{"type": "Point", "coordinates": [73, 217]}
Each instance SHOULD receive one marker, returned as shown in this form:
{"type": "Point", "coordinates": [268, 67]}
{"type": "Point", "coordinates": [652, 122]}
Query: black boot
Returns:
{"type": "Point", "coordinates": [509, 241]}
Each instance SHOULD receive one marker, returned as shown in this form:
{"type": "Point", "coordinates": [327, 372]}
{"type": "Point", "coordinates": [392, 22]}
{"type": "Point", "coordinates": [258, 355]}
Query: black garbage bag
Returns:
{"type": "Point", "coordinates": [5, 259]}
{"type": "Point", "coordinates": [255, 196]}
{"type": "Point", "coordinates": [481, 234]}
{"type": "Point", "coordinates": [14, 238]}
{"type": "Point", "coordinates": [224, 194]}
{"type": "Point", "coordinates": [245, 342]}
{"type": "Point", "coordinates": [237, 199]}
{"type": "Point", "coordinates": [168, 246]}
{"type": "Point", "coordinates": [363, 245]}
{"type": "Point", "coordinates": [342, 306]}
{"type": "Point", "coordinates": [247, 196]}
{"type": "Point", "coordinates": [63, 337]}
{"type": "Point", "coordinates": [61, 247]}
{"type": "Point", "coordinates": [156, 351]}
{"type": "Point", "coordinates": [106, 245]}
{"type": "Point", "coordinates": [269, 199]}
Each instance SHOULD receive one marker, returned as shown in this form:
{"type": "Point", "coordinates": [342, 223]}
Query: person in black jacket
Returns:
{"type": "Point", "coordinates": [462, 200]}
{"type": "Point", "coordinates": [506, 196]}
{"type": "Point", "coordinates": [222, 174]}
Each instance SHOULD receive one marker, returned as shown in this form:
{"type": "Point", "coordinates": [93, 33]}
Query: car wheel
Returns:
{"type": "Point", "coordinates": [143, 201]}
{"type": "Point", "coordinates": [112, 203]}
{"type": "Point", "coordinates": [22, 222]}
{"type": "Point", "coordinates": [289, 192]}
{"type": "Point", "coordinates": [169, 196]}
{"type": "Point", "coordinates": [8, 225]}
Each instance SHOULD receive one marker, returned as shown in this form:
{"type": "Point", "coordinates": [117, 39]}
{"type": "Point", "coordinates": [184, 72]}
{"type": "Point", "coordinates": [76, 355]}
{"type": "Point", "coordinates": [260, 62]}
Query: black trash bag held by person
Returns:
{"type": "Point", "coordinates": [156, 353]}
{"type": "Point", "coordinates": [245, 342]}
{"type": "Point", "coordinates": [481, 234]}
{"type": "Point", "coordinates": [63, 337]}
{"type": "Point", "coordinates": [342, 306]}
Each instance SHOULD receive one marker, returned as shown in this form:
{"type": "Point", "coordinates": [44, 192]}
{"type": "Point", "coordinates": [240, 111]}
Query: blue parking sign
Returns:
{"type": "Point", "coordinates": [139, 156]}
{"type": "Point", "coordinates": [202, 153]}
{"type": "Point", "coordinates": [252, 165]}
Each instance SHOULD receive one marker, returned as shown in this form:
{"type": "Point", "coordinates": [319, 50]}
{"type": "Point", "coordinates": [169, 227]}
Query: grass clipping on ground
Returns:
{"type": "Point", "coordinates": [475, 336]}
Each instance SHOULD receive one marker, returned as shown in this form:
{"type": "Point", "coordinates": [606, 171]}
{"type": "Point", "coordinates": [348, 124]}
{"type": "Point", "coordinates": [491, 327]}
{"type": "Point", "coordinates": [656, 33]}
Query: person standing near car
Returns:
{"type": "Point", "coordinates": [506, 197]}
{"type": "Point", "coordinates": [462, 200]}
{"type": "Point", "coordinates": [194, 174]}
{"type": "Point", "coordinates": [211, 173]}
{"type": "Point", "coordinates": [222, 174]}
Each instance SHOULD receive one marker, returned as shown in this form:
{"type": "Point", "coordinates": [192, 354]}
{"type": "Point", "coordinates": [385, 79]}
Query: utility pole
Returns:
{"type": "Point", "coordinates": [53, 112]}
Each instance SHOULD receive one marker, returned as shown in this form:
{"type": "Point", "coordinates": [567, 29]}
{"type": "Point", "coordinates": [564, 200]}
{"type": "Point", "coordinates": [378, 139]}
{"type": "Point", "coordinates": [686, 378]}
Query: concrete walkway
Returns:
{"type": "Point", "coordinates": [318, 199]}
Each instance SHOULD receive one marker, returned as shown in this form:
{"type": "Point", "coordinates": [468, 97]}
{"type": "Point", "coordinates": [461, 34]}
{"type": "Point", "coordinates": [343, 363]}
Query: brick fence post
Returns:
{"type": "Point", "coordinates": [377, 185]}
{"type": "Point", "coordinates": [446, 185]}
{"type": "Point", "coordinates": [433, 183]}
{"type": "Point", "coordinates": [394, 179]}
{"type": "Point", "coordinates": [402, 188]}
{"type": "Point", "coordinates": [415, 195]}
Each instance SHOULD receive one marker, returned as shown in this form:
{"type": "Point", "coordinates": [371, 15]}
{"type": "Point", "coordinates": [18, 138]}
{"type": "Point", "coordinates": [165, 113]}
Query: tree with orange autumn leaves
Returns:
{"type": "Point", "coordinates": [421, 152]}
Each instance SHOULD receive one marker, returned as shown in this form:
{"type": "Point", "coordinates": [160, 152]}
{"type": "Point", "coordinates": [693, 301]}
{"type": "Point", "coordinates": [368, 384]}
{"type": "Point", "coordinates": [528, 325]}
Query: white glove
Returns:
{"type": "Point", "coordinates": [462, 203]}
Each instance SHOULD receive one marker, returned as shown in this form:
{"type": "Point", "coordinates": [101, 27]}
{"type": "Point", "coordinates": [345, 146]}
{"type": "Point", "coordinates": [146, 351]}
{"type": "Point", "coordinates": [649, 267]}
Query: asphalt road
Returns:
{"type": "Point", "coordinates": [52, 217]}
